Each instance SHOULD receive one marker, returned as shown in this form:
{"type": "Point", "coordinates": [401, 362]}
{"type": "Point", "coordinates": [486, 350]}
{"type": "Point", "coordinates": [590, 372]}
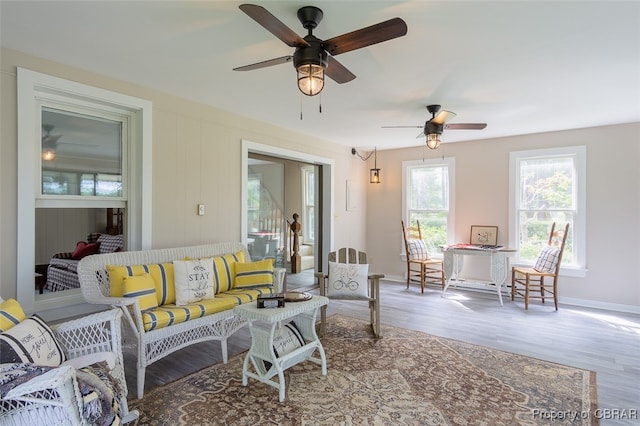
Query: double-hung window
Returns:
{"type": "Point", "coordinates": [546, 186]}
{"type": "Point", "coordinates": [308, 203]}
{"type": "Point", "coordinates": [428, 197]}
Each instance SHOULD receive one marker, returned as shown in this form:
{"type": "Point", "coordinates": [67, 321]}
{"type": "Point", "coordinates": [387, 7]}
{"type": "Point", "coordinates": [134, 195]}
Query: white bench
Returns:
{"type": "Point", "coordinates": [155, 344]}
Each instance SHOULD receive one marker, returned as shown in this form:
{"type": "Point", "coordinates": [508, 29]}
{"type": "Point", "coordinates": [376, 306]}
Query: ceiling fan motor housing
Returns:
{"type": "Point", "coordinates": [431, 128]}
{"type": "Point", "coordinates": [312, 54]}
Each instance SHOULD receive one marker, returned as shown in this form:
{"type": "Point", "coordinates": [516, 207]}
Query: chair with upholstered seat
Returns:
{"type": "Point", "coordinates": [524, 281]}
{"type": "Point", "coordinates": [349, 279]}
{"type": "Point", "coordinates": [421, 268]}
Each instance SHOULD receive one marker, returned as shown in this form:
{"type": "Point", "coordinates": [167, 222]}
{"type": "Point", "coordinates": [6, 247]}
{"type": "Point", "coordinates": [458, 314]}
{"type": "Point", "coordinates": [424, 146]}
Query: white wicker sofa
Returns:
{"type": "Point", "coordinates": [54, 397]}
{"type": "Point", "coordinates": [156, 343]}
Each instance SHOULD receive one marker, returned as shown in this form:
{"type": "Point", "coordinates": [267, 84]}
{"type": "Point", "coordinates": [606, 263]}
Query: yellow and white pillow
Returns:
{"type": "Point", "coordinates": [254, 274]}
{"type": "Point", "coordinates": [11, 314]}
{"type": "Point", "coordinates": [141, 286]}
{"type": "Point", "coordinates": [162, 274]}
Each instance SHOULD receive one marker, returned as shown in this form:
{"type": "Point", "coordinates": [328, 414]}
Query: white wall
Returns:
{"type": "Point", "coordinates": [196, 159]}
{"type": "Point", "coordinates": [482, 195]}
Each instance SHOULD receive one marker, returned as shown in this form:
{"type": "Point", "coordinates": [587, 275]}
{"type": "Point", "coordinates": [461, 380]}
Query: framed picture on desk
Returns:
{"type": "Point", "coordinates": [484, 235]}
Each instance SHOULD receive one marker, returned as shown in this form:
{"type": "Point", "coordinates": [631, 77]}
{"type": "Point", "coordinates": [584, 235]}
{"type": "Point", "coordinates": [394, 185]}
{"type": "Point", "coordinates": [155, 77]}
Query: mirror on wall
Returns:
{"type": "Point", "coordinates": [84, 167]}
{"type": "Point", "coordinates": [81, 155]}
{"type": "Point", "coordinates": [63, 236]}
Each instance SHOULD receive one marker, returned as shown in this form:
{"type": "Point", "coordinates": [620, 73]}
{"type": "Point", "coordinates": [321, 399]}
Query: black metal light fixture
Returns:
{"type": "Point", "coordinates": [310, 61]}
{"type": "Point", "coordinates": [374, 174]}
{"type": "Point", "coordinates": [433, 131]}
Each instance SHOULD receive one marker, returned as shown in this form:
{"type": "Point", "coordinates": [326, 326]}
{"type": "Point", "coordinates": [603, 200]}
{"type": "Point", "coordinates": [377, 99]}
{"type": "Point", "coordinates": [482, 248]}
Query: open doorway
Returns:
{"type": "Point", "coordinates": [276, 184]}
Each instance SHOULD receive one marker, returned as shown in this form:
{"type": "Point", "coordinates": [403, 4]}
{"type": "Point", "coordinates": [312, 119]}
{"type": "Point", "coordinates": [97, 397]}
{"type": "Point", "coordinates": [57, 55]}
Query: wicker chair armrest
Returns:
{"type": "Point", "coordinates": [99, 332]}
{"type": "Point", "coordinates": [52, 379]}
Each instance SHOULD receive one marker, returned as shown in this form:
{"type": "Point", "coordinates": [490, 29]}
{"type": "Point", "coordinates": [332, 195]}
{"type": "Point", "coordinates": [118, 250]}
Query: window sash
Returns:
{"type": "Point", "coordinates": [556, 194]}
{"type": "Point", "coordinates": [428, 190]}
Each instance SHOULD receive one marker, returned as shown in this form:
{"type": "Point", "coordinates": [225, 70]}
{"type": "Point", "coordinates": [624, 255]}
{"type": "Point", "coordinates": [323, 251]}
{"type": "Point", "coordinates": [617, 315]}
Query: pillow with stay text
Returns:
{"type": "Point", "coordinates": [193, 280]}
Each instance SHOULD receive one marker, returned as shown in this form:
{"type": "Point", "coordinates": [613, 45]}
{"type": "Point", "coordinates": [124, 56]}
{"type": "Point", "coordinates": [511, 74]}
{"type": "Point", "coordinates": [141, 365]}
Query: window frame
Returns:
{"type": "Point", "coordinates": [34, 90]}
{"type": "Point", "coordinates": [579, 154]}
{"type": "Point", "coordinates": [407, 166]}
{"type": "Point", "coordinates": [307, 224]}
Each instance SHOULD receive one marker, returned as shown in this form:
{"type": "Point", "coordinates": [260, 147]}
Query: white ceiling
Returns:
{"type": "Point", "coordinates": [520, 66]}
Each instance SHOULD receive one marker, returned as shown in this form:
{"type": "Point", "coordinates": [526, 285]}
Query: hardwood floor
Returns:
{"type": "Point", "coordinates": [602, 341]}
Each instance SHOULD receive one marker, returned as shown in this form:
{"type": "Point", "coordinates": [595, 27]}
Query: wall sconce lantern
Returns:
{"type": "Point", "coordinates": [374, 174]}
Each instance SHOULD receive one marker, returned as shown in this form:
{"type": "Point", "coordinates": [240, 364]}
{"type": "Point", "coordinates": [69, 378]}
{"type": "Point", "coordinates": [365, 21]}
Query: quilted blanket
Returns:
{"type": "Point", "coordinates": [100, 391]}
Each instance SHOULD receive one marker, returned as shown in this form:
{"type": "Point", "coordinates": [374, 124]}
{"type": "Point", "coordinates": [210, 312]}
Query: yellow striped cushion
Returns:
{"type": "Point", "coordinates": [224, 271]}
{"type": "Point", "coordinates": [245, 295]}
{"type": "Point", "coordinates": [254, 274]}
{"type": "Point", "coordinates": [141, 286]}
{"type": "Point", "coordinates": [11, 314]}
{"type": "Point", "coordinates": [164, 316]}
{"type": "Point", "coordinates": [162, 274]}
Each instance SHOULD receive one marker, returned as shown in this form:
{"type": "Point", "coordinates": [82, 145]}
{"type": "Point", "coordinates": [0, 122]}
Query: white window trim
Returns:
{"type": "Point", "coordinates": [580, 220]}
{"type": "Point", "coordinates": [450, 162]}
{"type": "Point", "coordinates": [305, 170]}
{"type": "Point", "coordinates": [33, 88]}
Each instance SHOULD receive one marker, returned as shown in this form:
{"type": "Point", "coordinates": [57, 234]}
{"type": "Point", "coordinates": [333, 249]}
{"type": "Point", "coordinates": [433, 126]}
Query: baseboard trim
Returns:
{"type": "Point", "coordinates": [570, 301]}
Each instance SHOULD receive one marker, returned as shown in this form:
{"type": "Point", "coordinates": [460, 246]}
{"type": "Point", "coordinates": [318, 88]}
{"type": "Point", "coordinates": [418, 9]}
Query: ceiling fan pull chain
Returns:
{"type": "Point", "coordinates": [320, 103]}
{"type": "Point", "coordinates": [300, 106]}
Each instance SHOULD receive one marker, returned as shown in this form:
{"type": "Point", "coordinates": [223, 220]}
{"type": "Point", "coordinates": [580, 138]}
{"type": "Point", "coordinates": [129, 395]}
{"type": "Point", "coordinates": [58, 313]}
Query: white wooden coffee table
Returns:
{"type": "Point", "coordinates": [263, 324]}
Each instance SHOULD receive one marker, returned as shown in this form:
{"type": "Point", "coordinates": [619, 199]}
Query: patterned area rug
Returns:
{"type": "Point", "coordinates": [407, 377]}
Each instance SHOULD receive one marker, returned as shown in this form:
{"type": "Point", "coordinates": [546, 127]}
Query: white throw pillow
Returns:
{"type": "Point", "coordinates": [418, 250]}
{"type": "Point", "coordinates": [348, 280]}
{"type": "Point", "coordinates": [548, 259]}
{"type": "Point", "coordinates": [31, 341]}
{"type": "Point", "coordinates": [287, 339]}
{"type": "Point", "coordinates": [193, 280]}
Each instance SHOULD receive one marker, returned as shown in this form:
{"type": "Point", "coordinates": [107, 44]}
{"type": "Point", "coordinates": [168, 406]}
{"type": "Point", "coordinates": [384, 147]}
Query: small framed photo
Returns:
{"type": "Point", "coordinates": [484, 235]}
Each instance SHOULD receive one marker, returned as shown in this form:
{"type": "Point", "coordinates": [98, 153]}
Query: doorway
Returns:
{"type": "Point", "coordinates": [298, 183]}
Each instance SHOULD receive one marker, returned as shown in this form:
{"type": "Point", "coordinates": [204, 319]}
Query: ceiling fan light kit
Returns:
{"type": "Point", "coordinates": [49, 142]}
{"type": "Point", "coordinates": [311, 58]}
{"type": "Point", "coordinates": [433, 128]}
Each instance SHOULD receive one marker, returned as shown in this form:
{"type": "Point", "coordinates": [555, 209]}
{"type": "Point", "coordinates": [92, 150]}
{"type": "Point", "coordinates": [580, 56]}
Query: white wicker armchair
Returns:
{"type": "Point", "coordinates": [54, 397]}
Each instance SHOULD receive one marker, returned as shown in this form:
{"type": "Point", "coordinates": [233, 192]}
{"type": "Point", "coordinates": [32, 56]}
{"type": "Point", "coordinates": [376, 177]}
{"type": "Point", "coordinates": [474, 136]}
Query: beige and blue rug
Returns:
{"type": "Point", "coordinates": [405, 378]}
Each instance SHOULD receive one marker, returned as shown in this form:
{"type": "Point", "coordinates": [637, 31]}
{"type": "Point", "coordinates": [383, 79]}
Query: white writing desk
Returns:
{"type": "Point", "coordinates": [454, 261]}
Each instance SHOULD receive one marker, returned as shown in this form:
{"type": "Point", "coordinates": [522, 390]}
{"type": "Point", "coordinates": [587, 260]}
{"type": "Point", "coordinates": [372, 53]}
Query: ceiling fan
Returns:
{"type": "Point", "coordinates": [433, 128]}
{"type": "Point", "coordinates": [313, 58]}
{"type": "Point", "coordinates": [49, 142]}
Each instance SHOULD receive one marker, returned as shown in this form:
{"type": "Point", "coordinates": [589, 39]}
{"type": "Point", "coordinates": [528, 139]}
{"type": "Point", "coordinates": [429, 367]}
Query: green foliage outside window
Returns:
{"type": "Point", "coordinates": [546, 196]}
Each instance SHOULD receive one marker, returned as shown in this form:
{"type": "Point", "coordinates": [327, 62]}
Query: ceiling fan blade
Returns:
{"type": "Point", "coordinates": [443, 116]}
{"type": "Point", "coordinates": [337, 72]}
{"type": "Point", "coordinates": [264, 64]}
{"type": "Point", "coordinates": [367, 36]}
{"type": "Point", "coordinates": [402, 127]}
{"type": "Point", "coordinates": [272, 24]}
{"type": "Point", "coordinates": [463, 126]}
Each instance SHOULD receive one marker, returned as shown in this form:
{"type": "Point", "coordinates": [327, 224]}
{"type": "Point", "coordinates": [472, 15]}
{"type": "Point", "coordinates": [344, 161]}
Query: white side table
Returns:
{"type": "Point", "coordinates": [263, 324]}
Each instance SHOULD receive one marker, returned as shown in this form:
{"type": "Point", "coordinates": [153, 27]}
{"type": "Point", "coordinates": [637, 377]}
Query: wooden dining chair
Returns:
{"type": "Point", "coordinates": [524, 281]}
{"type": "Point", "coordinates": [421, 268]}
